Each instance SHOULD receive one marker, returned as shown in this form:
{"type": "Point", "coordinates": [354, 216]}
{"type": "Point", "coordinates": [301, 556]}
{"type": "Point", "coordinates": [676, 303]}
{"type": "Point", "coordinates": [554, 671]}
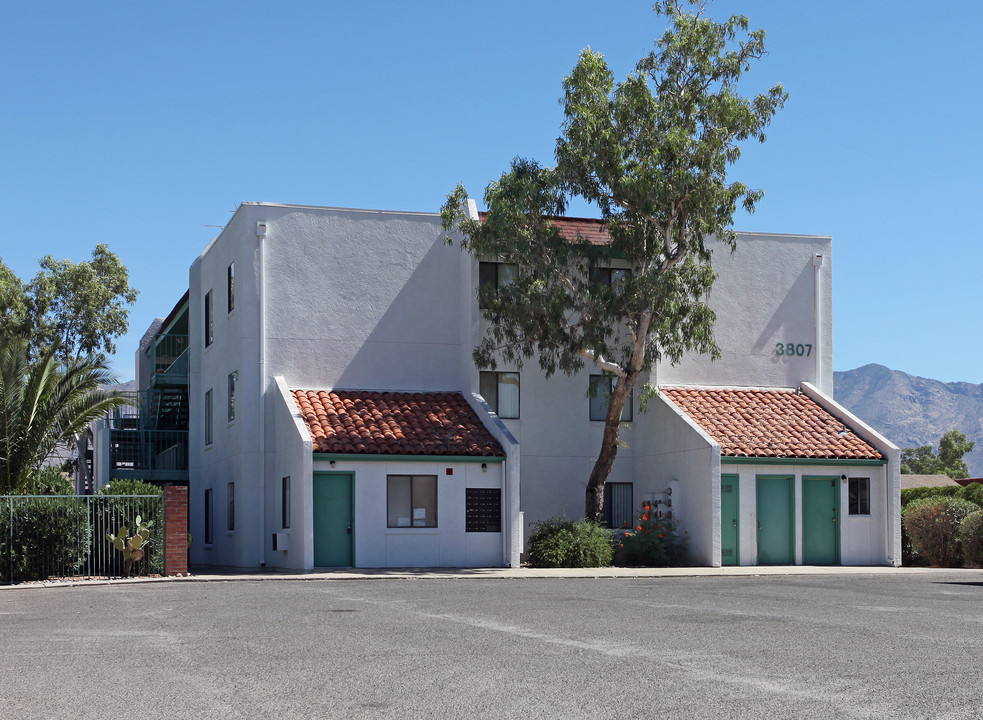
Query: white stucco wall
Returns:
{"type": "Point", "coordinates": [765, 295]}
{"type": "Point", "coordinates": [447, 545]}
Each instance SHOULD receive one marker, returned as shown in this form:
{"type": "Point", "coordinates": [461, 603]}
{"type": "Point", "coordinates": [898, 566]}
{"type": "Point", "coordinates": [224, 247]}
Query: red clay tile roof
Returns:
{"type": "Point", "coordinates": [593, 230]}
{"type": "Point", "coordinates": [770, 423]}
{"type": "Point", "coordinates": [384, 423]}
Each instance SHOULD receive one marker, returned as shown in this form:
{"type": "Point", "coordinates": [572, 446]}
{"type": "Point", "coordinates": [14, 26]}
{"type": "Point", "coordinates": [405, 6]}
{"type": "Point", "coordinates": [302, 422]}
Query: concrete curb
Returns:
{"type": "Point", "coordinates": [522, 573]}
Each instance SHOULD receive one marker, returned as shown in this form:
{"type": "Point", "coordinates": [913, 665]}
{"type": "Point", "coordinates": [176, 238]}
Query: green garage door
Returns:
{"type": "Point", "coordinates": [774, 516]}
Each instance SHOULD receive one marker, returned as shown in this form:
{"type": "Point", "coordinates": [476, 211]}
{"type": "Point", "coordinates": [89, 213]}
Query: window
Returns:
{"type": "Point", "coordinates": [619, 504]}
{"type": "Point", "coordinates": [233, 377]}
{"type": "Point", "coordinates": [483, 510]}
{"type": "Point", "coordinates": [491, 277]}
{"type": "Point", "coordinates": [601, 387]}
{"type": "Point", "coordinates": [209, 320]}
{"type": "Point", "coordinates": [231, 286]}
{"type": "Point", "coordinates": [232, 507]}
{"type": "Point", "coordinates": [501, 391]}
{"type": "Point", "coordinates": [611, 277]}
{"type": "Point", "coordinates": [411, 501]}
{"type": "Point", "coordinates": [285, 502]}
{"type": "Point", "coordinates": [208, 518]}
{"type": "Point", "coordinates": [208, 417]}
{"type": "Point", "coordinates": [860, 496]}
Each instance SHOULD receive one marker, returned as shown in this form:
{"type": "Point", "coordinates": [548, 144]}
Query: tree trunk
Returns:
{"type": "Point", "coordinates": [594, 502]}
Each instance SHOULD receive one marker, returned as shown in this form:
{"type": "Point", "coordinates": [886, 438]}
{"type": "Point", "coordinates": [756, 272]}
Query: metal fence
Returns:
{"type": "Point", "coordinates": [46, 537]}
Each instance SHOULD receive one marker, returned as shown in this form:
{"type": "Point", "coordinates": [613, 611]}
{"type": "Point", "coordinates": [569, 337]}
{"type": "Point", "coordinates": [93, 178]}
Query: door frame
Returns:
{"type": "Point", "coordinates": [736, 479]}
{"type": "Point", "coordinates": [350, 474]}
{"type": "Point", "coordinates": [790, 479]}
{"type": "Point", "coordinates": [838, 510]}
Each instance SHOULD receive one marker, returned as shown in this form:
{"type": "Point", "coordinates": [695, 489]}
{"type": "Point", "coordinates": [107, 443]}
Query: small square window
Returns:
{"type": "Point", "coordinates": [411, 501]}
{"type": "Point", "coordinates": [614, 278]}
{"type": "Point", "coordinates": [601, 387]}
{"type": "Point", "coordinates": [209, 320]}
{"type": "Point", "coordinates": [501, 391]}
{"type": "Point", "coordinates": [493, 276]}
{"type": "Point", "coordinates": [859, 496]}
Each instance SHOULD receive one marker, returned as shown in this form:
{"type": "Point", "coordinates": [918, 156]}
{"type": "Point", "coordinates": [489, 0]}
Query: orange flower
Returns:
{"type": "Point", "coordinates": [639, 527]}
{"type": "Point", "coordinates": [645, 518]}
{"type": "Point", "coordinates": [660, 534]}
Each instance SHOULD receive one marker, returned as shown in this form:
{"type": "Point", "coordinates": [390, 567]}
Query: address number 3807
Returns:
{"type": "Point", "coordinates": [793, 349]}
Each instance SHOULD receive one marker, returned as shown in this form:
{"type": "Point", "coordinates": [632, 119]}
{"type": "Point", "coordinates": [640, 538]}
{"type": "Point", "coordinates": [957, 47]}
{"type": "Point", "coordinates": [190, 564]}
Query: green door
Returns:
{"type": "Point", "coordinates": [729, 525]}
{"type": "Point", "coordinates": [332, 520]}
{"type": "Point", "coordinates": [820, 520]}
{"type": "Point", "coordinates": [774, 515]}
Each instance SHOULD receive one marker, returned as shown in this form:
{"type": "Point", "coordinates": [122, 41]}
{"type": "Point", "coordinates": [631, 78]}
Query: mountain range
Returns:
{"type": "Point", "coordinates": [911, 411]}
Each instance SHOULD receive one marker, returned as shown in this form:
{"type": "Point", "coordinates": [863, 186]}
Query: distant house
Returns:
{"type": "Point", "coordinates": [926, 481]}
{"type": "Point", "coordinates": [336, 418]}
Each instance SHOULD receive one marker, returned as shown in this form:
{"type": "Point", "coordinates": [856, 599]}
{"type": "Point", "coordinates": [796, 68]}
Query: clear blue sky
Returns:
{"type": "Point", "coordinates": [140, 124]}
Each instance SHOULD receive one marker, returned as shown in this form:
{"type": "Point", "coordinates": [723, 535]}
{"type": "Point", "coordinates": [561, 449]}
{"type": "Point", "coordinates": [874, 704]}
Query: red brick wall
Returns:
{"type": "Point", "coordinates": [175, 530]}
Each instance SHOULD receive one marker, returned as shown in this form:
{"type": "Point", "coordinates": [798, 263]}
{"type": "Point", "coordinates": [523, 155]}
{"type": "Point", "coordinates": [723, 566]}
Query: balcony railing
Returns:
{"type": "Point", "coordinates": [148, 450]}
{"type": "Point", "coordinates": [169, 359]}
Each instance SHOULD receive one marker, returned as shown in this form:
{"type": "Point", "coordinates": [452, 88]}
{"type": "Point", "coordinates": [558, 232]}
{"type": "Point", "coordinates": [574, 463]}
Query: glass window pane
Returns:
{"type": "Point", "coordinates": [506, 274]}
{"type": "Point", "coordinates": [424, 501]}
{"type": "Point", "coordinates": [399, 501]}
{"type": "Point", "coordinates": [488, 387]}
{"type": "Point", "coordinates": [508, 395]}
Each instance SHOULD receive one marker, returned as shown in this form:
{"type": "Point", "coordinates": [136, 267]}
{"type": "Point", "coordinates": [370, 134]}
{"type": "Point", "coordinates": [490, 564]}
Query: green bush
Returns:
{"type": "Point", "coordinates": [655, 541]}
{"type": "Point", "coordinates": [932, 524]}
{"type": "Point", "coordinates": [970, 537]}
{"type": "Point", "coordinates": [972, 492]}
{"type": "Point", "coordinates": [560, 542]}
{"type": "Point", "coordinates": [49, 537]}
{"type": "Point", "coordinates": [122, 510]}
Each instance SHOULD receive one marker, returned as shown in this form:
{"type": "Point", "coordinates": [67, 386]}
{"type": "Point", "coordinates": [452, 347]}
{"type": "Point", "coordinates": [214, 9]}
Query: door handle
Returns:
{"type": "Point", "coordinates": [349, 527]}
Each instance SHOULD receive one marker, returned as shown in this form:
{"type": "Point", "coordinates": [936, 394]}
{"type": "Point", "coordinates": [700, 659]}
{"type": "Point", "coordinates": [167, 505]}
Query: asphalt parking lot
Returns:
{"type": "Point", "coordinates": [826, 646]}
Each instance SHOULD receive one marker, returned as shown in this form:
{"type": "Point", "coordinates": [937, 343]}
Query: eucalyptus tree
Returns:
{"type": "Point", "coordinates": [44, 403]}
{"type": "Point", "coordinates": [651, 153]}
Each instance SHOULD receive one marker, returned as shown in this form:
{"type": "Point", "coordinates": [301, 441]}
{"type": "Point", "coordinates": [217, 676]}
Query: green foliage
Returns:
{"type": "Point", "coordinates": [44, 403]}
{"type": "Point", "coordinates": [560, 542]}
{"type": "Point", "coordinates": [655, 541]}
{"type": "Point", "coordinates": [133, 547]}
{"type": "Point", "coordinates": [128, 512]}
{"type": "Point", "coordinates": [949, 461]}
{"type": "Point", "coordinates": [48, 480]}
{"type": "Point", "coordinates": [972, 492]}
{"type": "Point", "coordinates": [80, 308]}
{"type": "Point", "coordinates": [932, 525]}
{"type": "Point", "coordinates": [50, 537]}
{"type": "Point", "coordinates": [970, 537]}
{"type": "Point", "coordinates": [651, 154]}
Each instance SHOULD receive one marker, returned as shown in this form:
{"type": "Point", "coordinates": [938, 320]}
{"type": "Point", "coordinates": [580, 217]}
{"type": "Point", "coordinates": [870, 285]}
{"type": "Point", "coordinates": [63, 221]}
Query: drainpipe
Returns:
{"type": "Point", "coordinates": [261, 237]}
{"type": "Point", "coordinates": [817, 264]}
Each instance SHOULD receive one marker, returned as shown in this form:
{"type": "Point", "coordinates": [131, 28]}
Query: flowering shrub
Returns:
{"type": "Point", "coordinates": [932, 524]}
{"type": "Point", "coordinates": [655, 541]}
{"type": "Point", "coordinates": [970, 537]}
{"type": "Point", "coordinates": [560, 542]}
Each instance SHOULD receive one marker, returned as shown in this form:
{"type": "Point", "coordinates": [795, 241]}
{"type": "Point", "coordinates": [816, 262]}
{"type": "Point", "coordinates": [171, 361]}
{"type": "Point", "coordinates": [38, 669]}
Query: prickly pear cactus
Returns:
{"type": "Point", "coordinates": [132, 546]}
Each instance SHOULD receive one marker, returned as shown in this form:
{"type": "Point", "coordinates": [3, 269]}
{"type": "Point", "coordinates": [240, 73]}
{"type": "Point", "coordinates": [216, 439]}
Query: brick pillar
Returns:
{"type": "Point", "coordinates": [175, 530]}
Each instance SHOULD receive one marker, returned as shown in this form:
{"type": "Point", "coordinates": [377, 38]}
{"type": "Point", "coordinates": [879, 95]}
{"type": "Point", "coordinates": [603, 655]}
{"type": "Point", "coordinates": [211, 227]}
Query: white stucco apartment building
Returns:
{"type": "Point", "coordinates": [336, 416]}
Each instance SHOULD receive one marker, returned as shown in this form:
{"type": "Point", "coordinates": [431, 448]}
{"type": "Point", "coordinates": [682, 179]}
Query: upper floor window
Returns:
{"type": "Point", "coordinates": [233, 379]}
{"type": "Point", "coordinates": [491, 277]}
{"type": "Point", "coordinates": [208, 417]}
{"type": "Point", "coordinates": [209, 320]}
{"type": "Point", "coordinates": [601, 387]}
{"type": "Point", "coordinates": [615, 278]}
{"type": "Point", "coordinates": [501, 391]}
{"type": "Point", "coordinates": [231, 287]}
